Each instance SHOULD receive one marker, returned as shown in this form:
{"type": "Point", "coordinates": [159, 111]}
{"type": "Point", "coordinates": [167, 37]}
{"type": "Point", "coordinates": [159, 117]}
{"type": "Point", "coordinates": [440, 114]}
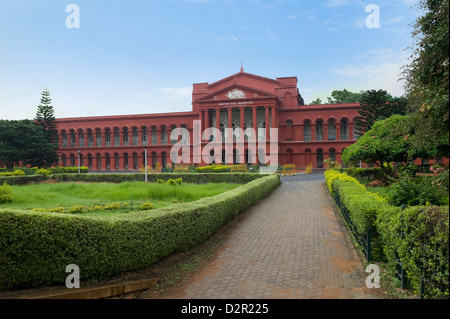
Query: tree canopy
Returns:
{"type": "Point", "coordinates": [22, 141]}
{"type": "Point", "coordinates": [426, 76]}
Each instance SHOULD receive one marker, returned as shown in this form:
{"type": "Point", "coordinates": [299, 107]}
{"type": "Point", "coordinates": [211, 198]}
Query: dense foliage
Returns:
{"type": "Point", "coordinates": [387, 141]}
{"type": "Point", "coordinates": [22, 141]}
{"type": "Point", "coordinates": [427, 75]}
{"type": "Point", "coordinates": [36, 247]}
{"type": "Point", "coordinates": [418, 235]}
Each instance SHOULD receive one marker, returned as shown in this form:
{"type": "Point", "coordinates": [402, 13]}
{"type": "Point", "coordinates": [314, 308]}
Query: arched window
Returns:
{"type": "Point", "coordinates": [99, 137]}
{"type": "Point", "coordinates": [125, 136]}
{"type": "Point", "coordinates": [164, 159]}
{"type": "Point", "coordinates": [72, 139]}
{"type": "Point", "coordinates": [108, 161]}
{"type": "Point", "coordinates": [72, 160]}
{"type": "Point", "coordinates": [331, 129]}
{"type": "Point", "coordinates": [164, 139]}
{"type": "Point", "coordinates": [289, 132]}
{"type": "Point", "coordinates": [64, 138]}
{"type": "Point", "coordinates": [64, 160]}
{"type": "Point", "coordinates": [116, 136]}
{"type": "Point", "coordinates": [81, 137]}
{"type": "Point", "coordinates": [144, 135]}
{"type": "Point", "coordinates": [154, 136]}
{"type": "Point", "coordinates": [319, 130]}
{"type": "Point", "coordinates": [319, 158]}
{"type": "Point", "coordinates": [175, 140]}
{"type": "Point", "coordinates": [99, 162]}
{"type": "Point", "coordinates": [107, 136]}
{"type": "Point", "coordinates": [344, 129]}
{"type": "Point", "coordinates": [332, 154]}
{"type": "Point", "coordinates": [356, 131]}
{"type": "Point", "coordinates": [90, 161]}
{"type": "Point", "coordinates": [90, 138]}
{"type": "Point", "coordinates": [135, 160]}
{"type": "Point", "coordinates": [125, 160]}
{"type": "Point", "coordinates": [154, 159]}
{"type": "Point", "coordinates": [116, 161]}
{"type": "Point", "coordinates": [307, 131]}
{"type": "Point", "coordinates": [135, 136]}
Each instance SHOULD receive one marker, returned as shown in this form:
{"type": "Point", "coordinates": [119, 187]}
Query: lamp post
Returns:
{"type": "Point", "coordinates": [145, 163]}
{"type": "Point", "coordinates": [79, 169]}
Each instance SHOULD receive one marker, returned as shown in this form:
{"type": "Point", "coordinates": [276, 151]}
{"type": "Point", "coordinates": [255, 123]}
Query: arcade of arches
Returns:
{"type": "Point", "coordinates": [307, 134]}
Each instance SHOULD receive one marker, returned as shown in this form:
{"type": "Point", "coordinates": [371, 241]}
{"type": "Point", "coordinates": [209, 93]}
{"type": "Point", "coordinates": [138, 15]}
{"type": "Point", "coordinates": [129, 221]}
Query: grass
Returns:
{"type": "Point", "coordinates": [133, 194]}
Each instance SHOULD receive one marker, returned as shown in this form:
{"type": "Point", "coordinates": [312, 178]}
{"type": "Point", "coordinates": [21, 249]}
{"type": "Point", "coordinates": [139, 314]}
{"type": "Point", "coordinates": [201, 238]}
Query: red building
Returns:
{"type": "Point", "coordinates": [306, 133]}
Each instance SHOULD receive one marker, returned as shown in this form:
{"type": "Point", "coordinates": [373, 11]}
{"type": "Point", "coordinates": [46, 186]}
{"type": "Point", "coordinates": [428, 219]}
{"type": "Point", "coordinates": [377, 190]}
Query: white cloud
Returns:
{"type": "Point", "coordinates": [226, 38]}
{"type": "Point", "coordinates": [377, 69]}
{"type": "Point", "coordinates": [336, 3]}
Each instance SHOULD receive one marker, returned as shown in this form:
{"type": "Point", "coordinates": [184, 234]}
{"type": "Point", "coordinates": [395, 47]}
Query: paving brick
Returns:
{"type": "Point", "coordinates": [292, 244]}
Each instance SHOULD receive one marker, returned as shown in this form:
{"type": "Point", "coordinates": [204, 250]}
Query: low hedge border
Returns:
{"type": "Point", "coordinates": [21, 179]}
{"type": "Point", "coordinates": [35, 247]}
{"type": "Point", "coordinates": [418, 235]}
{"type": "Point", "coordinates": [196, 178]}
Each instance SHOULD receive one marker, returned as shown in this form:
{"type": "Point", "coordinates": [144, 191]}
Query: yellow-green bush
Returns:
{"type": "Point", "coordinates": [6, 194]}
{"type": "Point", "coordinates": [17, 172]}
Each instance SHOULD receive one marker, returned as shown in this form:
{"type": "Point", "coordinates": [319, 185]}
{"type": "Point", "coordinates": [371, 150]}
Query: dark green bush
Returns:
{"type": "Point", "coordinates": [364, 175]}
{"type": "Point", "coordinates": [194, 178]}
{"type": "Point", "coordinates": [21, 180]}
{"type": "Point", "coordinates": [35, 247]}
{"type": "Point", "coordinates": [416, 191]}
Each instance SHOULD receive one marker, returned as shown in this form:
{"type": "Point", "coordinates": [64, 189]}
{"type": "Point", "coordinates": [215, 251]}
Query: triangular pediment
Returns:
{"type": "Point", "coordinates": [236, 92]}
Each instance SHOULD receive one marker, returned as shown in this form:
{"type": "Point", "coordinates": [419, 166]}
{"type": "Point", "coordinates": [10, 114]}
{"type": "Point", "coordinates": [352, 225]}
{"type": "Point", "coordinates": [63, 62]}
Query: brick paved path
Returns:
{"type": "Point", "coordinates": [291, 245]}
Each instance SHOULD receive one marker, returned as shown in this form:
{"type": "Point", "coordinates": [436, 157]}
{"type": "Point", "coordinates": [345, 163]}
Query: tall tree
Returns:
{"type": "Point", "coordinates": [316, 101]}
{"type": "Point", "coordinates": [22, 141]}
{"type": "Point", "coordinates": [45, 119]}
{"type": "Point", "coordinates": [427, 74]}
{"type": "Point", "coordinates": [374, 105]}
{"type": "Point", "coordinates": [344, 96]}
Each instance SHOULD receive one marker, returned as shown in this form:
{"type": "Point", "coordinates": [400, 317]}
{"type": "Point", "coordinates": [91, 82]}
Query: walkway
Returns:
{"type": "Point", "coordinates": [291, 245]}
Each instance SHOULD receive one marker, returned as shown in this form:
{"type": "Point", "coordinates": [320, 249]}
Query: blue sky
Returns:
{"type": "Point", "coordinates": [142, 56]}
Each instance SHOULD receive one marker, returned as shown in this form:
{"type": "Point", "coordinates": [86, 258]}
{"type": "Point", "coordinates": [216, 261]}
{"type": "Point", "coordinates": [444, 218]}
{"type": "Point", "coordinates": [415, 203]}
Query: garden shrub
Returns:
{"type": "Point", "coordinates": [416, 191]}
{"type": "Point", "coordinates": [146, 206]}
{"type": "Point", "coordinates": [195, 178]}
{"type": "Point", "coordinates": [36, 247]}
{"type": "Point", "coordinates": [420, 236]}
{"type": "Point", "coordinates": [214, 168]}
{"type": "Point", "coordinates": [6, 194]}
{"type": "Point", "coordinates": [171, 182]}
{"type": "Point", "coordinates": [68, 170]}
{"type": "Point", "coordinates": [44, 172]}
{"type": "Point", "coordinates": [21, 179]}
{"type": "Point", "coordinates": [17, 172]}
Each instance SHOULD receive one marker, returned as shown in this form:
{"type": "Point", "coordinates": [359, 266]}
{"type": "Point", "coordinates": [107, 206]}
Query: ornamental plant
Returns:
{"type": "Point", "coordinates": [387, 141]}
{"type": "Point", "coordinates": [6, 194]}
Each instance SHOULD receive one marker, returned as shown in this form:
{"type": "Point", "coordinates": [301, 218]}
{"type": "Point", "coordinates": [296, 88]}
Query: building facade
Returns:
{"type": "Point", "coordinates": [307, 134]}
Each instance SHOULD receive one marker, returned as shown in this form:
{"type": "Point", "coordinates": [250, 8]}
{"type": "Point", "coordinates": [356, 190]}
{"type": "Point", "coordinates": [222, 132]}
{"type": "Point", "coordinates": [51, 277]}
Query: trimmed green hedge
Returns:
{"type": "Point", "coordinates": [21, 179]}
{"type": "Point", "coordinates": [35, 248]}
{"type": "Point", "coordinates": [419, 234]}
{"type": "Point", "coordinates": [196, 178]}
{"type": "Point", "coordinates": [363, 206]}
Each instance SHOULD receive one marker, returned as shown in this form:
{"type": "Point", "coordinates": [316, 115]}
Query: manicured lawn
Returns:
{"type": "Point", "coordinates": [127, 196]}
